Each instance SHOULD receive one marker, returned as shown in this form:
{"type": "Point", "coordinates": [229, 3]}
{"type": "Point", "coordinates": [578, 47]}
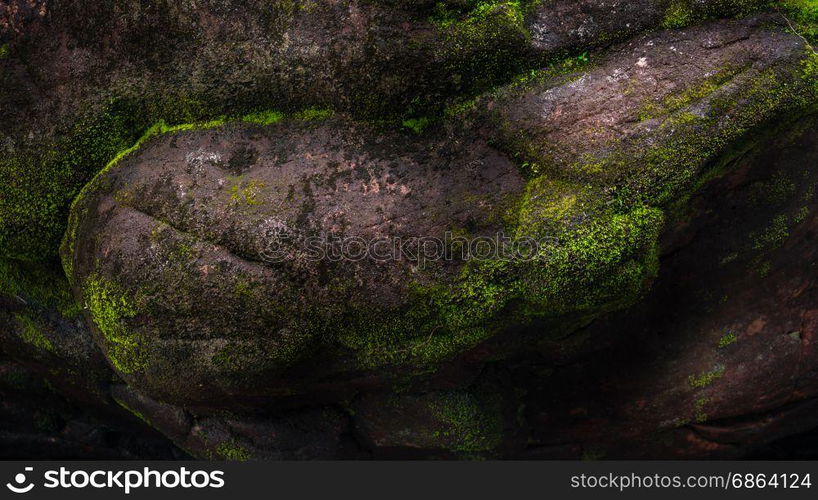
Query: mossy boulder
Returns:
{"type": "Point", "coordinates": [213, 282]}
{"type": "Point", "coordinates": [193, 253]}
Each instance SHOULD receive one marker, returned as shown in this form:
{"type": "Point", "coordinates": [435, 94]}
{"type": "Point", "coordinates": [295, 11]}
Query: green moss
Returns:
{"type": "Point", "coordinates": [699, 414]}
{"type": "Point", "coordinates": [39, 286]}
{"type": "Point", "coordinates": [466, 426]}
{"type": "Point", "coordinates": [4, 51]}
{"type": "Point", "coordinates": [110, 309]}
{"type": "Point", "coordinates": [313, 114]}
{"type": "Point", "coordinates": [231, 450]}
{"type": "Point", "coordinates": [683, 13]}
{"type": "Point", "coordinates": [678, 15]}
{"type": "Point", "coordinates": [675, 102]}
{"type": "Point", "coordinates": [803, 15]}
{"type": "Point", "coordinates": [416, 125]}
{"type": "Point", "coordinates": [264, 117]}
{"type": "Point", "coordinates": [773, 236]}
{"type": "Point", "coordinates": [705, 379]}
{"type": "Point", "coordinates": [247, 193]}
{"type": "Point", "coordinates": [42, 179]}
{"type": "Point", "coordinates": [727, 339]}
{"type": "Point", "coordinates": [482, 48]}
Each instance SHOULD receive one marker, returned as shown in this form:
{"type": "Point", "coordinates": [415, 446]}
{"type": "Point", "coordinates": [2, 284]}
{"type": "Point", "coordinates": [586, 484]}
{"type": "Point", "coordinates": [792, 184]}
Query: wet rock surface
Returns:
{"type": "Point", "coordinates": [667, 311]}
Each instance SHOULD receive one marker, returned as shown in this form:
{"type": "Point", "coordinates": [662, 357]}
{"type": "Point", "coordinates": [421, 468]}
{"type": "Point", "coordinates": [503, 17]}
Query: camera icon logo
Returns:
{"type": "Point", "coordinates": [20, 480]}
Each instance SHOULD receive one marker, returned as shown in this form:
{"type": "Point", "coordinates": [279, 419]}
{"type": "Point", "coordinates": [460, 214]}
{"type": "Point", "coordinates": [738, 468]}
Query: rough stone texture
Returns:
{"type": "Point", "coordinates": [619, 125]}
{"type": "Point", "coordinates": [308, 434]}
{"type": "Point", "coordinates": [570, 25]}
{"type": "Point", "coordinates": [214, 290]}
{"type": "Point", "coordinates": [668, 314]}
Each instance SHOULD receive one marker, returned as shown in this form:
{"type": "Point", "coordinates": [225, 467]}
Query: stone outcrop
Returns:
{"type": "Point", "coordinates": [267, 253]}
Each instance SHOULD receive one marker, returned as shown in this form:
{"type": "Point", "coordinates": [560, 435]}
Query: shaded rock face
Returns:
{"type": "Point", "coordinates": [718, 358]}
{"type": "Point", "coordinates": [219, 296]}
{"type": "Point", "coordinates": [40, 422]}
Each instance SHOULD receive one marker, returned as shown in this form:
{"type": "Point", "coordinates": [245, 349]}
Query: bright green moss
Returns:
{"type": "Point", "coordinates": [264, 117]}
{"type": "Point", "coordinates": [313, 114]}
{"type": "Point", "coordinates": [416, 125]}
{"type": "Point", "coordinates": [110, 309]}
{"type": "Point", "coordinates": [132, 411]}
{"type": "Point", "coordinates": [727, 339]}
{"type": "Point", "coordinates": [699, 415]}
{"type": "Point", "coordinates": [247, 193]}
{"type": "Point", "coordinates": [803, 16]}
{"type": "Point", "coordinates": [432, 330]}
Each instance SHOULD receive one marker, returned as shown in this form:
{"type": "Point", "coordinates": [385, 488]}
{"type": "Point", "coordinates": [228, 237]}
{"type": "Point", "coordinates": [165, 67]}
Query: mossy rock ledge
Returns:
{"type": "Point", "coordinates": [191, 253]}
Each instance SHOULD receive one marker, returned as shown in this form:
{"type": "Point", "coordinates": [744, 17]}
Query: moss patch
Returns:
{"type": "Point", "coordinates": [707, 378]}
{"type": "Point", "coordinates": [232, 451]}
{"type": "Point", "coordinates": [110, 309]}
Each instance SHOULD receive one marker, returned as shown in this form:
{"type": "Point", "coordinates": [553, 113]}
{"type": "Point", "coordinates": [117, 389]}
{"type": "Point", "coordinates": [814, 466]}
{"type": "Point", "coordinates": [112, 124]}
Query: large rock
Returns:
{"type": "Point", "coordinates": [192, 254]}
{"type": "Point", "coordinates": [71, 101]}
{"type": "Point", "coordinates": [190, 279]}
{"type": "Point", "coordinates": [213, 290]}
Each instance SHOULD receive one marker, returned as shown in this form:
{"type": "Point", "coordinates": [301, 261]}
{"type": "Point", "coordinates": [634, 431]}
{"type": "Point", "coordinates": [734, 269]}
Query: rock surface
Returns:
{"type": "Point", "coordinates": [659, 159]}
